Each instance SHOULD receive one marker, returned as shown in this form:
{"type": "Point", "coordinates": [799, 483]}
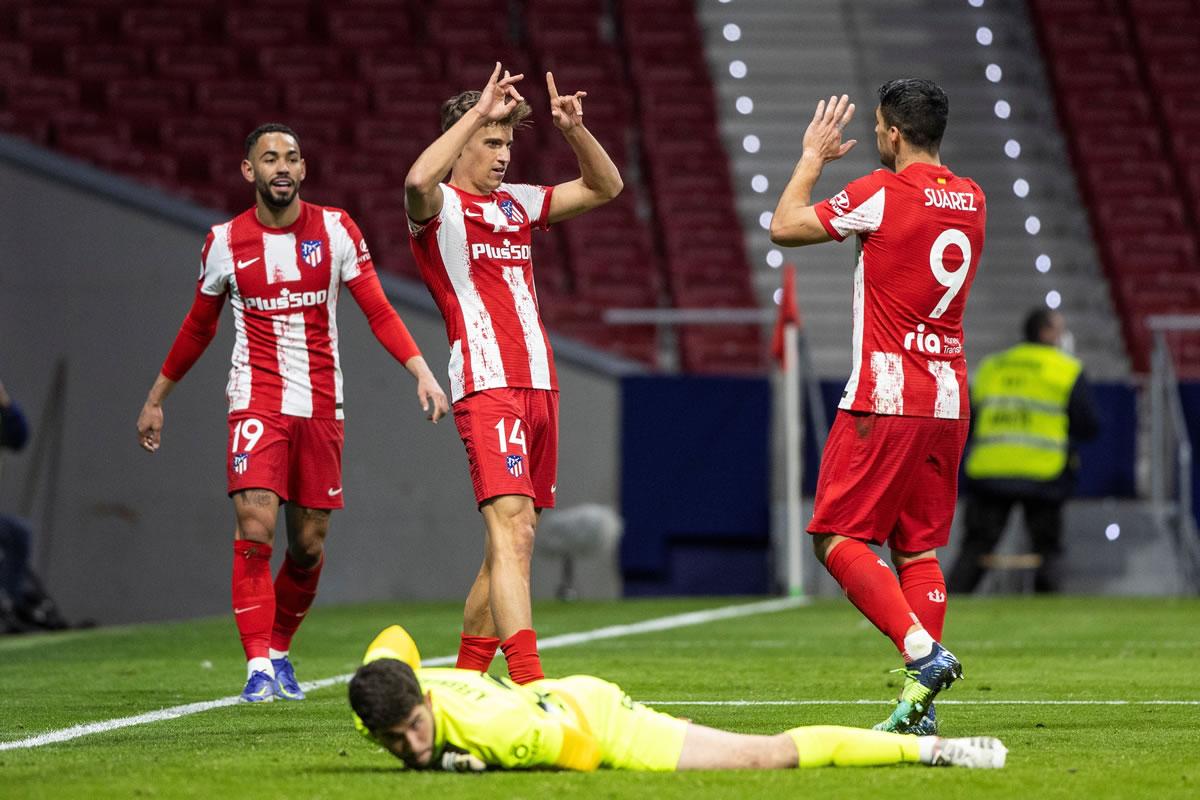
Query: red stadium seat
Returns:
{"type": "Point", "coordinates": [412, 64]}
{"type": "Point", "coordinates": [1130, 106]}
{"type": "Point", "coordinates": [1096, 71]}
{"type": "Point", "coordinates": [57, 24]}
{"type": "Point", "coordinates": [347, 99]}
{"type": "Point", "coordinates": [378, 26]}
{"type": "Point", "coordinates": [146, 97]}
{"type": "Point", "coordinates": [100, 62]}
{"type": "Point", "coordinates": [1088, 34]}
{"type": "Point", "coordinates": [260, 27]}
{"type": "Point", "coordinates": [16, 59]}
{"type": "Point", "coordinates": [35, 128]}
{"type": "Point", "coordinates": [196, 62]}
{"type": "Point", "coordinates": [164, 26]}
{"type": "Point", "coordinates": [36, 95]}
{"type": "Point", "coordinates": [238, 97]}
{"type": "Point", "coordinates": [301, 63]}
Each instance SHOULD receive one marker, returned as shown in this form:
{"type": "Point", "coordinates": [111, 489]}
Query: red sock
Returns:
{"type": "Point", "coordinates": [253, 596]}
{"type": "Point", "coordinates": [520, 649]}
{"type": "Point", "coordinates": [924, 587]}
{"type": "Point", "coordinates": [872, 588]}
{"type": "Point", "coordinates": [476, 652]}
{"type": "Point", "coordinates": [295, 588]}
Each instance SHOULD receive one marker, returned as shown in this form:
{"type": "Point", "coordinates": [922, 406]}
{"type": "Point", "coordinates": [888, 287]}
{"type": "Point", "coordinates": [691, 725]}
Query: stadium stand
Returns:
{"type": "Point", "coordinates": [141, 88]}
{"type": "Point", "coordinates": [790, 60]}
{"type": "Point", "coordinates": [1124, 75]}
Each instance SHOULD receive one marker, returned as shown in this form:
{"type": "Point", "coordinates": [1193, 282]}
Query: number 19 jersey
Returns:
{"type": "Point", "coordinates": [920, 236]}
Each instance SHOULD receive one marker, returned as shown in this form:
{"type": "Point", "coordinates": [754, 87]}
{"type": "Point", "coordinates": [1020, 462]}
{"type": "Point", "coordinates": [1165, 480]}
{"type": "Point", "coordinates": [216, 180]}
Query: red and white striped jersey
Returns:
{"type": "Point", "coordinates": [283, 286]}
{"type": "Point", "coordinates": [475, 257]}
{"type": "Point", "coordinates": [920, 236]}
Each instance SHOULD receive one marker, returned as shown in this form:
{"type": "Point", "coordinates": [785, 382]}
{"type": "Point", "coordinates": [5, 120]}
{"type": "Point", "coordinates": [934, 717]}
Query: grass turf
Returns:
{"type": "Point", "coordinates": [1077, 649]}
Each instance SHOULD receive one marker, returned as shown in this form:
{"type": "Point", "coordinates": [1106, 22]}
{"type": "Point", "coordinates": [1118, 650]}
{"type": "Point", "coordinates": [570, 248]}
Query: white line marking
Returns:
{"type": "Point", "coordinates": [550, 643]}
{"type": "Point", "coordinates": [940, 702]}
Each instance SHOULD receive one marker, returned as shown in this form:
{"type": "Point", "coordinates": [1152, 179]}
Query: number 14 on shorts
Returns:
{"type": "Point", "coordinates": [515, 436]}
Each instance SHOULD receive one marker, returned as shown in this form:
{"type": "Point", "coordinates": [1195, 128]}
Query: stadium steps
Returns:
{"type": "Point", "coordinates": [795, 58]}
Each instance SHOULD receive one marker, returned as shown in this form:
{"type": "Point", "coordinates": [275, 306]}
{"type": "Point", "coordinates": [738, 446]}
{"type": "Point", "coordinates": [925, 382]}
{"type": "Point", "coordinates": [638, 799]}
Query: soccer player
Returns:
{"type": "Point", "coordinates": [282, 264]}
{"type": "Point", "coordinates": [471, 238]}
{"type": "Point", "coordinates": [890, 469]}
{"type": "Point", "coordinates": [461, 721]}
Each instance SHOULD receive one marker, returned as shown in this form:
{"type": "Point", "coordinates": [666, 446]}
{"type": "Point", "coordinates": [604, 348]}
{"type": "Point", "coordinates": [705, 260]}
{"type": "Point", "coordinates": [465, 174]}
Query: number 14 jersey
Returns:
{"type": "Point", "coordinates": [920, 235]}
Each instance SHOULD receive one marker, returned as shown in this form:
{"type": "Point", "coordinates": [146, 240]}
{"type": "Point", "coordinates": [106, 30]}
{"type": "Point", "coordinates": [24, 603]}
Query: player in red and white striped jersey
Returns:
{"type": "Point", "coordinates": [472, 240]}
{"type": "Point", "coordinates": [282, 265]}
{"type": "Point", "coordinates": [890, 468]}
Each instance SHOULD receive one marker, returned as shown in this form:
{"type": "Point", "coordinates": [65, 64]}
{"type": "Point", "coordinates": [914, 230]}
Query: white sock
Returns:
{"type": "Point", "coordinates": [273, 653]}
{"type": "Point", "coordinates": [259, 664]}
{"type": "Point", "coordinates": [926, 745]}
{"type": "Point", "coordinates": [917, 645]}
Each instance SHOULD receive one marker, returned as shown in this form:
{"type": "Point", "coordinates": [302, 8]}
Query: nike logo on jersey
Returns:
{"type": "Point", "coordinates": [469, 214]}
{"type": "Point", "coordinates": [243, 264]}
{"type": "Point", "coordinates": [335, 492]}
{"type": "Point", "coordinates": [247, 608]}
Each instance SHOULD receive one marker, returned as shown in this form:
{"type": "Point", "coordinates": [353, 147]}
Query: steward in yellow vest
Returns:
{"type": "Point", "coordinates": [1028, 404]}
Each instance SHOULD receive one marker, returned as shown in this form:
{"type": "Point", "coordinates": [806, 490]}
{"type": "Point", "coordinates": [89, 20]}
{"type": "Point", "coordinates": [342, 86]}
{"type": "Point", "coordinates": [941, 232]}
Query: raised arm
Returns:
{"type": "Point", "coordinates": [795, 222]}
{"type": "Point", "coordinates": [422, 198]}
{"type": "Point", "coordinates": [599, 180]}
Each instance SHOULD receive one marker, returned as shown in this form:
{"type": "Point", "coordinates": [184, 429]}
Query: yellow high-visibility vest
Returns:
{"type": "Point", "coordinates": [1020, 399]}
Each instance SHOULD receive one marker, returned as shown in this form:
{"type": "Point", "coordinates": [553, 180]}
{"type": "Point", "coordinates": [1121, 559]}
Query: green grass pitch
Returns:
{"type": "Point", "coordinates": [1083, 650]}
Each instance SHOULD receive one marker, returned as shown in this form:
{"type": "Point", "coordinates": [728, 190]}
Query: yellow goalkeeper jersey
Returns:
{"type": "Point", "coordinates": [506, 725]}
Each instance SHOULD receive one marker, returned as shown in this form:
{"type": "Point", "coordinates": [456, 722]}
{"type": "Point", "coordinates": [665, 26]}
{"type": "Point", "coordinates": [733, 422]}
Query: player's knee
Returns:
{"type": "Point", "coordinates": [252, 529]}
{"type": "Point", "coordinates": [515, 541]}
{"type": "Point", "coordinates": [307, 554]}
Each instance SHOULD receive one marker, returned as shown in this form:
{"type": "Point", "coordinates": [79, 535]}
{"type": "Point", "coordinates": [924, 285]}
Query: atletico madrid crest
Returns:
{"type": "Point", "coordinates": [240, 462]}
{"type": "Point", "coordinates": [516, 466]}
{"type": "Point", "coordinates": [310, 251]}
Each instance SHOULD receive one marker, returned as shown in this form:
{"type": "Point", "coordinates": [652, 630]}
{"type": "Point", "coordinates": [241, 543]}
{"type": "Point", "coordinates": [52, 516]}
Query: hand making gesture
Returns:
{"type": "Point", "coordinates": [824, 135]}
{"type": "Point", "coordinates": [499, 97]}
{"type": "Point", "coordinates": [567, 109]}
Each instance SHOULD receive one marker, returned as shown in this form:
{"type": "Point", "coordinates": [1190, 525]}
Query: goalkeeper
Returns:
{"type": "Point", "coordinates": [461, 720]}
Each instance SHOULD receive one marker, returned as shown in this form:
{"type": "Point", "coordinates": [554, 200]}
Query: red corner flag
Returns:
{"type": "Point", "coordinates": [788, 312]}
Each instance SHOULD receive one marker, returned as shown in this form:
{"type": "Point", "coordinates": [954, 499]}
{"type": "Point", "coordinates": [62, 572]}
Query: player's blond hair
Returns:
{"type": "Point", "coordinates": [455, 107]}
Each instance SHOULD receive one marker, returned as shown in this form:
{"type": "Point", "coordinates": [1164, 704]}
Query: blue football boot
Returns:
{"type": "Point", "coordinates": [924, 678]}
{"type": "Point", "coordinates": [286, 685]}
{"type": "Point", "coordinates": [260, 688]}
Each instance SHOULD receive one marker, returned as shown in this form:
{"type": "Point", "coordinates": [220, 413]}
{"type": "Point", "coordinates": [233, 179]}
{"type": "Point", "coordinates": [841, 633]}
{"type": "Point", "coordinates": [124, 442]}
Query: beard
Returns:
{"type": "Point", "coordinates": [269, 196]}
{"type": "Point", "coordinates": [887, 159]}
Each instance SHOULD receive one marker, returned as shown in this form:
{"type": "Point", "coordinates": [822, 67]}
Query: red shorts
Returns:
{"type": "Point", "coordinates": [890, 479]}
{"type": "Point", "coordinates": [511, 436]}
{"type": "Point", "coordinates": [297, 458]}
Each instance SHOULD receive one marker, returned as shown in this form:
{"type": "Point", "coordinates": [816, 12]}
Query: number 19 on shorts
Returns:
{"type": "Point", "coordinates": [249, 429]}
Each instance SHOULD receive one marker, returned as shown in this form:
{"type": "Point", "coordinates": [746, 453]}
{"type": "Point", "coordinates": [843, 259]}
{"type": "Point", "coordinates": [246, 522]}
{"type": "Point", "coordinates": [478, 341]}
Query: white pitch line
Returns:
{"type": "Point", "coordinates": [656, 703]}
{"type": "Point", "coordinates": [550, 643]}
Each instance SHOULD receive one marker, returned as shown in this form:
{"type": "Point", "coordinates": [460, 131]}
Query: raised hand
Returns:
{"type": "Point", "coordinates": [824, 135]}
{"type": "Point", "coordinates": [500, 96]}
{"type": "Point", "coordinates": [566, 109]}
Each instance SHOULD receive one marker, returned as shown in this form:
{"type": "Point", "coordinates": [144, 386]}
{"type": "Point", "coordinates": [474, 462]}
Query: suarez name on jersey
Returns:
{"type": "Point", "coordinates": [475, 257]}
{"type": "Point", "coordinates": [283, 286]}
{"type": "Point", "coordinates": [920, 236]}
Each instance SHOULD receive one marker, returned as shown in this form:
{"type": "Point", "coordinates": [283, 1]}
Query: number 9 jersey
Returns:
{"type": "Point", "coordinates": [920, 236]}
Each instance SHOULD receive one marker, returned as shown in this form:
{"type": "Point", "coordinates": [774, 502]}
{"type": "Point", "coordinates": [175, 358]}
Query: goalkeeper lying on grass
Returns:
{"type": "Point", "coordinates": [465, 721]}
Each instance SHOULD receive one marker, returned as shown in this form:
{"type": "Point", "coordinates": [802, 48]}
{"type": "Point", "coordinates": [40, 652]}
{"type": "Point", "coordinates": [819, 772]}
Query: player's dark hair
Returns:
{"type": "Point", "coordinates": [455, 107]}
{"type": "Point", "coordinates": [384, 693]}
{"type": "Point", "coordinates": [1037, 321]}
{"type": "Point", "coordinates": [919, 108]}
{"type": "Point", "coordinates": [270, 127]}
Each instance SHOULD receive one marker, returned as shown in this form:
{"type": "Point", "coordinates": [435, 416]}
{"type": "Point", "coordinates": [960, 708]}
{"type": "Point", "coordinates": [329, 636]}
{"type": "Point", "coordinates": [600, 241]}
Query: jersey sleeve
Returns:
{"type": "Point", "coordinates": [535, 200]}
{"type": "Point", "coordinates": [856, 209]}
{"type": "Point", "coordinates": [419, 230]}
{"type": "Point", "coordinates": [216, 262]}
{"type": "Point", "coordinates": [352, 257]}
